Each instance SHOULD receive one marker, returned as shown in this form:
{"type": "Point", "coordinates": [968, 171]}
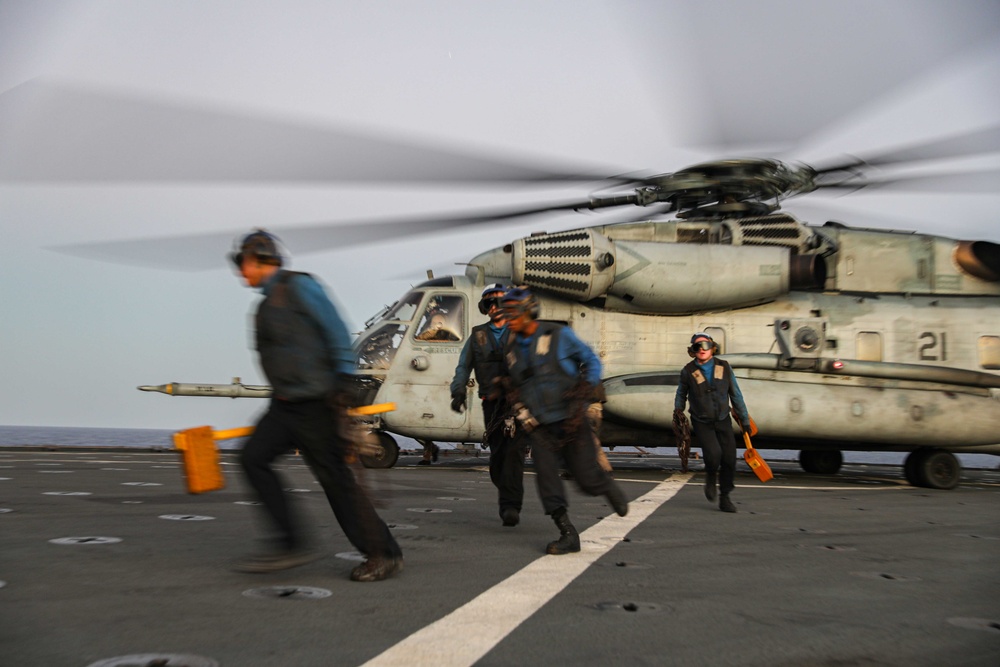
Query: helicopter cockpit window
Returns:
{"type": "Point", "coordinates": [377, 349]}
{"type": "Point", "coordinates": [406, 308]}
{"type": "Point", "coordinates": [443, 319]}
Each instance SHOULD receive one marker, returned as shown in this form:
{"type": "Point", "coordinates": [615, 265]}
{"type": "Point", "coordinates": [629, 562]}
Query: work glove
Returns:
{"type": "Point", "coordinates": [458, 402]}
{"type": "Point", "coordinates": [524, 418]}
{"type": "Point", "coordinates": [746, 424]}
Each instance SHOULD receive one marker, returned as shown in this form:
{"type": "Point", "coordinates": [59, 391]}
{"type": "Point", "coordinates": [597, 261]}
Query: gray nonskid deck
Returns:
{"type": "Point", "coordinates": [856, 569]}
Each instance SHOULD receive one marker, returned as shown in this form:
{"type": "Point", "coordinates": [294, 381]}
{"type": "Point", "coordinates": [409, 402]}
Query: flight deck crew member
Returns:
{"type": "Point", "coordinates": [483, 353]}
{"type": "Point", "coordinates": [305, 352]}
{"type": "Point", "coordinates": [710, 385]}
{"type": "Point", "coordinates": [553, 377]}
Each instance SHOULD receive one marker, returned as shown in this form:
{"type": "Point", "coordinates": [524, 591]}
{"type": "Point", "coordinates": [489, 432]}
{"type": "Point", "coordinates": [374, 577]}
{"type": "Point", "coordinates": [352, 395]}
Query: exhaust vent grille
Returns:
{"type": "Point", "coordinates": [573, 263]}
{"type": "Point", "coordinates": [773, 230]}
{"type": "Point", "coordinates": [559, 267]}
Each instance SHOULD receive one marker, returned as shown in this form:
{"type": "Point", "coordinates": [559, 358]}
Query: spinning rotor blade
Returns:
{"type": "Point", "coordinates": [985, 182]}
{"type": "Point", "coordinates": [977, 142]}
{"type": "Point", "coordinates": [208, 251]}
{"type": "Point", "coordinates": [54, 134]}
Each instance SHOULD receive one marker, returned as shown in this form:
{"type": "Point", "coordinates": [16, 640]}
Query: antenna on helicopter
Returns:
{"type": "Point", "coordinates": [480, 272]}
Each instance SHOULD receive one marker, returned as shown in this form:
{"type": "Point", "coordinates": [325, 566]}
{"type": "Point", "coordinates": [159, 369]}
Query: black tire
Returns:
{"type": "Point", "coordinates": [387, 457]}
{"type": "Point", "coordinates": [940, 470]}
{"type": "Point", "coordinates": [913, 467]}
{"type": "Point", "coordinates": [821, 461]}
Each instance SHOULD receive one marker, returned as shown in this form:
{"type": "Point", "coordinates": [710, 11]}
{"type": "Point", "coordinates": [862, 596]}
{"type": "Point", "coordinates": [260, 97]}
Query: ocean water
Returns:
{"type": "Point", "coordinates": [113, 438]}
{"type": "Point", "coordinates": [146, 438]}
{"type": "Point", "coordinates": [41, 436]}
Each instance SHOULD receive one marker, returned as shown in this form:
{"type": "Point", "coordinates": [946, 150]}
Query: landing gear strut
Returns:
{"type": "Point", "coordinates": [933, 469]}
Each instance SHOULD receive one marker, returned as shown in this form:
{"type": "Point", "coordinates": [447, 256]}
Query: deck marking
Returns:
{"type": "Point", "coordinates": [890, 486]}
{"type": "Point", "coordinates": [467, 634]}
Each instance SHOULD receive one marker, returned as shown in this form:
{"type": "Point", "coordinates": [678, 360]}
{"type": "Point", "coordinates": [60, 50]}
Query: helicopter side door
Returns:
{"type": "Point", "coordinates": [421, 373]}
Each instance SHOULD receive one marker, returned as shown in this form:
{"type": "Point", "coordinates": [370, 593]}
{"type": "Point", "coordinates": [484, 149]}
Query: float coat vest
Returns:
{"type": "Point", "coordinates": [293, 352]}
{"type": "Point", "coordinates": [543, 385]}
{"type": "Point", "coordinates": [487, 357]}
{"type": "Point", "coordinates": [709, 400]}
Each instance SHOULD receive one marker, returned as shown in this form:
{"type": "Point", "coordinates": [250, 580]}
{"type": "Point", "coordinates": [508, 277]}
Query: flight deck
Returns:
{"type": "Point", "coordinates": [105, 560]}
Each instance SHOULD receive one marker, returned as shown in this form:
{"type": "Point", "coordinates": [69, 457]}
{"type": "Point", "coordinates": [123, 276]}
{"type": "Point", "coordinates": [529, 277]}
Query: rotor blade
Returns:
{"type": "Point", "coordinates": [58, 133]}
{"type": "Point", "coordinates": [207, 251]}
{"type": "Point", "coordinates": [978, 142]}
{"type": "Point", "coordinates": [987, 182]}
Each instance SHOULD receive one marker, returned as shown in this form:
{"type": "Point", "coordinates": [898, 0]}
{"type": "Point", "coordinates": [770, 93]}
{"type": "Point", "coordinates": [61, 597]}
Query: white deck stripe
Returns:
{"type": "Point", "coordinates": [468, 633]}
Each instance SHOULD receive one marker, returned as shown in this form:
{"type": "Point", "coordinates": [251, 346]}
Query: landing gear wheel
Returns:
{"type": "Point", "coordinates": [940, 469]}
{"type": "Point", "coordinates": [913, 465]}
{"type": "Point", "coordinates": [821, 461]}
{"type": "Point", "coordinates": [387, 455]}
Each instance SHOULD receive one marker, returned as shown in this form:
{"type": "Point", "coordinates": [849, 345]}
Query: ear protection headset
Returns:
{"type": "Point", "coordinates": [259, 244]}
{"type": "Point", "coordinates": [693, 349]}
{"type": "Point", "coordinates": [521, 299]}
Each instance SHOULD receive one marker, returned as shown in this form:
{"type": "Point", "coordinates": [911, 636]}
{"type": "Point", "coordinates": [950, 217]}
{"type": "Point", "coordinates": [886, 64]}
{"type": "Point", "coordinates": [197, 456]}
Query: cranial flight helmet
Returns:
{"type": "Point", "coordinates": [693, 350]}
{"type": "Point", "coordinates": [259, 244]}
{"type": "Point", "coordinates": [491, 295]}
{"type": "Point", "coordinates": [521, 299]}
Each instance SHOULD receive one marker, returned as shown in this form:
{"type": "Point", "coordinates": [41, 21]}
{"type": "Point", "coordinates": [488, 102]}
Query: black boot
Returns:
{"type": "Point", "coordinates": [569, 539]}
{"type": "Point", "coordinates": [725, 504]}
{"type": "Point", "coordinates": [617, 499]}
{"type": "Point", "coordinates": [710, 488]}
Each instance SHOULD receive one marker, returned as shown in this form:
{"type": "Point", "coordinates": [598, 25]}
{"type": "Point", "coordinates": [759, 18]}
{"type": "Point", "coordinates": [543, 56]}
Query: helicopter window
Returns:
{"type": "Point", "coordinates": [442, 319]}
{"type": "Point", "coordinates": [377, 349]}
{"type": "Point", "coordinates": [404, 309]}
{"type": "Point", "coordinates": [868, 346]}
{"type": "Point", "coordinates": [989, 352]}
{"type": "Point", "coordinates": [694, 233]}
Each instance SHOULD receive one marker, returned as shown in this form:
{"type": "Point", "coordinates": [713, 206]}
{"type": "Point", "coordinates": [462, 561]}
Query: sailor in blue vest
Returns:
{"type": "Point", "coordinates": [710, 385]}
{"type": "Point", "coordinates": [305, 352]}
{"type": "Point", "coordinates": [553, 377]}
{"type": "Point", "coordinates": [483, 353]}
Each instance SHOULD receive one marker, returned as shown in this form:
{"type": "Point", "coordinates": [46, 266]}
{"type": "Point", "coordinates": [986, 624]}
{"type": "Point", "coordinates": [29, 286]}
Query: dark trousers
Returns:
{"type": "Point", "coordinates": [506, 457]}
{"type": "Point", "coordinates": [552, 444]}
{"type": "Point", "coordinates": [315, 430]}
{"type": "Point", "coordinates": [718, 448]}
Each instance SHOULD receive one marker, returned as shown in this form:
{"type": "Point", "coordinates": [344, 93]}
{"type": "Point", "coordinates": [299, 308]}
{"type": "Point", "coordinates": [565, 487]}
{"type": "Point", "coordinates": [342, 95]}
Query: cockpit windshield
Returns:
{"type": "Point", "coordinates": [377, 350]}
{"type": "Point", "coordinates": [404, 309]}
{"type": "Point", "coordinates": [443, 319]}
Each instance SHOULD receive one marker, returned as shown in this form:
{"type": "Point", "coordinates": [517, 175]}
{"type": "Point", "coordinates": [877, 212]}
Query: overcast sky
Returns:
{"type": "Point", "coordinates": [607, 86]}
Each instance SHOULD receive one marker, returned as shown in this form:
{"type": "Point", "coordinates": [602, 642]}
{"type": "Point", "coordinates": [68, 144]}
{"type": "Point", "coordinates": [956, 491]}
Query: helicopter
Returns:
{"type": "Point", "coordinates": [843, 338]}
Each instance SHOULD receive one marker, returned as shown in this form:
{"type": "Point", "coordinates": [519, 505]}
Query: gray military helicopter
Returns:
{"type": "Point", "coordinates": [843, 338]}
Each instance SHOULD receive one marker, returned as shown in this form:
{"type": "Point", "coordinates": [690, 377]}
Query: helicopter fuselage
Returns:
{"type": "Point", "coordinates": [851, 361]}
{"type": "Point", "coordinates": [793, 407]}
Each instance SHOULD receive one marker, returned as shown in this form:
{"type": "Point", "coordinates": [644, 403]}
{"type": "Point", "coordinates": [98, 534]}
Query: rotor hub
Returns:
{"type": "Point", "coordinates": [732, 188]}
